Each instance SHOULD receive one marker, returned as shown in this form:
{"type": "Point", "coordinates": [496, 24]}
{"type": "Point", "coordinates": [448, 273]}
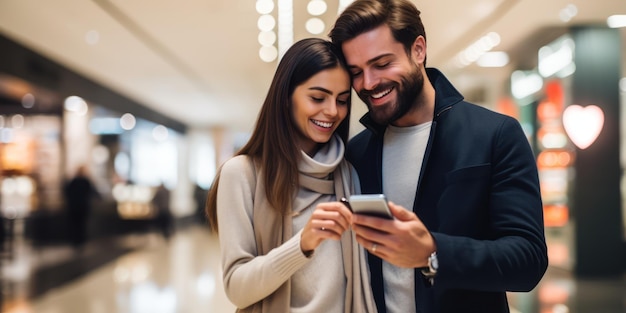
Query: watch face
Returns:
{"type": "Point", "coordinates": [434, 263]}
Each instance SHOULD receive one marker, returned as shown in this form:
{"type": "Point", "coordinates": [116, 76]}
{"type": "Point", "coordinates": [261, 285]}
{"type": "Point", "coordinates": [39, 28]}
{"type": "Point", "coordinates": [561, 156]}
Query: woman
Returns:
{"type": "Point", "coordinates": [275, 203]}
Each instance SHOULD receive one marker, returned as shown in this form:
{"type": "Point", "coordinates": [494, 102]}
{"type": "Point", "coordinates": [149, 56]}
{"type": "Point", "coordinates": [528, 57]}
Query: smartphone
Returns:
{"type": "Point", "coordinates": [370, 204]}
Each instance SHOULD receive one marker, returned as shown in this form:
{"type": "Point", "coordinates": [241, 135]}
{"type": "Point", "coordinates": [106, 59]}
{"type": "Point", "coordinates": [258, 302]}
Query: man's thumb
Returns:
{"type": "Point", "coordinates": [400, 213]}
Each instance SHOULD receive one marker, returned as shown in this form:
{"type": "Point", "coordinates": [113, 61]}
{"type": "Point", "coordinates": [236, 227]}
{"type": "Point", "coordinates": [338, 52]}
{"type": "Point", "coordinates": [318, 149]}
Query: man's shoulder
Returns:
{"type": "Point", "coordinates": [473, 110]}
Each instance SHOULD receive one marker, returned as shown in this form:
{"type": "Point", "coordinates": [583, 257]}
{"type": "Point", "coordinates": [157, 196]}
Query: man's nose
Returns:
{"type": "Point", "coordinates": [370, 80]}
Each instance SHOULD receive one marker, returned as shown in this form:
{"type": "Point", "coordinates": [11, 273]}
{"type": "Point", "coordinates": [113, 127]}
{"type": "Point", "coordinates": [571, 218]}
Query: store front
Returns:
{"type": "Point", "coordinates": [569, 105]}
{"type": "Point", "coordinates": [53, 121]}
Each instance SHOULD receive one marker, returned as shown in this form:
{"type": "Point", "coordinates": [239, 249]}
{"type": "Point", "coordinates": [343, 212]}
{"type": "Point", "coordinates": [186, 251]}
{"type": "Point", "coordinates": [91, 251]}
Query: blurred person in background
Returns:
{"type": "Point", "coordinates": [79, 193]}
{"type": "Point", "coordinates": [164, 218]}
{"type": "Point", "coordinates": [284, 237]}
{"type": "Point", "coordinates": [474, 224]}
{"type": "Point", "coordinates": [200, 195]}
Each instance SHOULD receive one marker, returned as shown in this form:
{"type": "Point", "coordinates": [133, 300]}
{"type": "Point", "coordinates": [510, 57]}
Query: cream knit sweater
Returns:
{"type": "Point", "coordinates": [264, 268]}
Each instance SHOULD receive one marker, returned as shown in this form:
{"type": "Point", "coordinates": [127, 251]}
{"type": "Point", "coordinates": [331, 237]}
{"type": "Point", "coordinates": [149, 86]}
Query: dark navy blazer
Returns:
{"type": "Point", "coordinates": [478, 194]}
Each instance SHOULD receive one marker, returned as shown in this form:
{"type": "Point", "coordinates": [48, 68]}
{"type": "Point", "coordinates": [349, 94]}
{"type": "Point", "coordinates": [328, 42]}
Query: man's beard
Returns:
{"type": "Point", "coordinates": [408, 89]}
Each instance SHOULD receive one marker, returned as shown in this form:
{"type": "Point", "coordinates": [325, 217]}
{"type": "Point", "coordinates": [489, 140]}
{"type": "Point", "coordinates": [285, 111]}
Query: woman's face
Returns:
{"type": "Point", "coordinates": [320, 104]}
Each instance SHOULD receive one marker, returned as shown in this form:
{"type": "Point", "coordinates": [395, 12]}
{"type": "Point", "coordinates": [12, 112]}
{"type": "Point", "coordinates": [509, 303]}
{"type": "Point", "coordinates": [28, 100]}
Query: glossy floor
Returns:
{"type": "Point", "coordinates": [147, 274]}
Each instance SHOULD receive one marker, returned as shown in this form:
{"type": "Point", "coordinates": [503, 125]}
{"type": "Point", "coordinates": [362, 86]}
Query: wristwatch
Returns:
{"type": "Point", "coordinates": [431, 271]}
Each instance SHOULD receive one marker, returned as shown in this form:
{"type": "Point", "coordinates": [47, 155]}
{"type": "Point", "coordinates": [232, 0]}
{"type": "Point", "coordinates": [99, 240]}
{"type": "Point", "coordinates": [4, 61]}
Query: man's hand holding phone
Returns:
{"type": "Point", "coordinates": [402, 240]}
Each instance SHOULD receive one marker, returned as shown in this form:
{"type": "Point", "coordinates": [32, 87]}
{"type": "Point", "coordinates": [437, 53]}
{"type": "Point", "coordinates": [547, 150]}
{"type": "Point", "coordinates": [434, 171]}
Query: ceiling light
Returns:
{"type": "Point", "coordinates": [285, 25]}
{"type": "Point", "coordinates": [524, 84]}
{"type": "Point", "coordinates": [555, 57]}
{"type": "Point", "coordinates": [160, 133]}
{"type": "Point", "coordinates": [128, 121]}
{"type": "Point", "coordinates": [75, 104]}
{"type": "Point", "coordinates": [28, 101]}
{"type": "Point", "coordinates": [315, 26]}
{"type": "Point", "coordinates": [92, 37]}
{"type": "Point", "coordinates": [267, 38]}
{"type": "Point", "coordinates": [616, 21]}
{"type": "Point", "coordinates": [493, 59]}
{"type": "Point", "coordinates": [266, 22]}
{"type": "Point", "coordinates": [17, 121]}
{"type": "Point", "coordinates": [316, 7]}
{"type": "Point", "coordinates": [477, 49]}
{"type": "Point", "coordinates": [491, 40]}
{"type": "Point", "coordinates": [568, 13]}
{"type": "Point", "coordinates": [264, 6]}
{"type": "Point", "coordinates": [268, 53]}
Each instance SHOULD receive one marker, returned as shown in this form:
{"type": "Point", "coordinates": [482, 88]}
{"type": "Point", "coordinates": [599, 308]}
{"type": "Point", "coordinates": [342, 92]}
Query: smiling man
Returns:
{"type": "Point", "coordinates": [462, 180]}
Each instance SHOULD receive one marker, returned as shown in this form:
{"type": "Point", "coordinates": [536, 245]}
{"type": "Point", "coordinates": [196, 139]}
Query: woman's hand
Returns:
{"type": "Point", "coordinates": [328, 221]}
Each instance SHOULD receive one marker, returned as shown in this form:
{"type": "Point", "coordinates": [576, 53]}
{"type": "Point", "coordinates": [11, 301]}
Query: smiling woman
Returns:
{"type": "Point", "coordinates": [275, 203]}
{"type": "Point", "coordinates": [320, 104]}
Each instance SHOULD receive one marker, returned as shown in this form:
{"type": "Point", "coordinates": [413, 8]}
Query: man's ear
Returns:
{"type": "Point", "coordinates": [418, 50]}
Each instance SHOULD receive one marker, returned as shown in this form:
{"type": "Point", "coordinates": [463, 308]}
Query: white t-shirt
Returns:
{"type": "Point", "coordinates": [403, 153]}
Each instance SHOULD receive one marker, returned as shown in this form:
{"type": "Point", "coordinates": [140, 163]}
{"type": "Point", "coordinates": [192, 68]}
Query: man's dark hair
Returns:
{"type": "Point", "coordinates": [402, 17]}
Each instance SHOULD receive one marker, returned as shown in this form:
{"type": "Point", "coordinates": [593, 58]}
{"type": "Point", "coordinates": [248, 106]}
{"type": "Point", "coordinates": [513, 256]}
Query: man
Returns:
{"type": "Point", "coordinates": [476, 226]}
{"type": "Point", "coordinates": [79, 193]}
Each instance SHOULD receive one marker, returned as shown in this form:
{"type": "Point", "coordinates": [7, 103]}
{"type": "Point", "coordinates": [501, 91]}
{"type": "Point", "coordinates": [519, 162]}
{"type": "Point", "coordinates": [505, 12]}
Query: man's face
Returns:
{"type": "Point", "coordinates": [383, 75]}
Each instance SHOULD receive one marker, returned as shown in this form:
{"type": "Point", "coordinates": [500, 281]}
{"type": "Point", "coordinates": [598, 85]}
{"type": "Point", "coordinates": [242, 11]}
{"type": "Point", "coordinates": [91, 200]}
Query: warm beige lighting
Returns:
{"type": "Point", "coordinates": [342, 5]}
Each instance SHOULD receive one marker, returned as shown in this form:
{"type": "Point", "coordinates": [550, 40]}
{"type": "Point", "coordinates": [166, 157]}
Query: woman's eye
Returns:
{"type": "Point", "coordinates": [317, 99]}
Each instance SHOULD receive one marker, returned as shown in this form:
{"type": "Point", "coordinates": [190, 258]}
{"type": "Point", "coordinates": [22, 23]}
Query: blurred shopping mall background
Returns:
{"type": "Point", "coordinates": [151, 92]}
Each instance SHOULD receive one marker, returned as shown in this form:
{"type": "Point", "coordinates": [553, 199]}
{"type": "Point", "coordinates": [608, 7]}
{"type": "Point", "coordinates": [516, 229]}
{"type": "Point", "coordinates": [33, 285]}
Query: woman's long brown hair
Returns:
{"type": "Point", "coordinates": [273, 142]}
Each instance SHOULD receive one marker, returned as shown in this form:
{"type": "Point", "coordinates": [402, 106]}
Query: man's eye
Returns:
{"type": "Point", "coordinates": [382, 65]}
{"type": "Point", "coordinates": [354, 74]}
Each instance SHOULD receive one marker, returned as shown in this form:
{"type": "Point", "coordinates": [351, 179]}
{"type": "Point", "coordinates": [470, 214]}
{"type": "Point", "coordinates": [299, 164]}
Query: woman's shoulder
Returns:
{"type": "Point", "coordinates": [238, 166]}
